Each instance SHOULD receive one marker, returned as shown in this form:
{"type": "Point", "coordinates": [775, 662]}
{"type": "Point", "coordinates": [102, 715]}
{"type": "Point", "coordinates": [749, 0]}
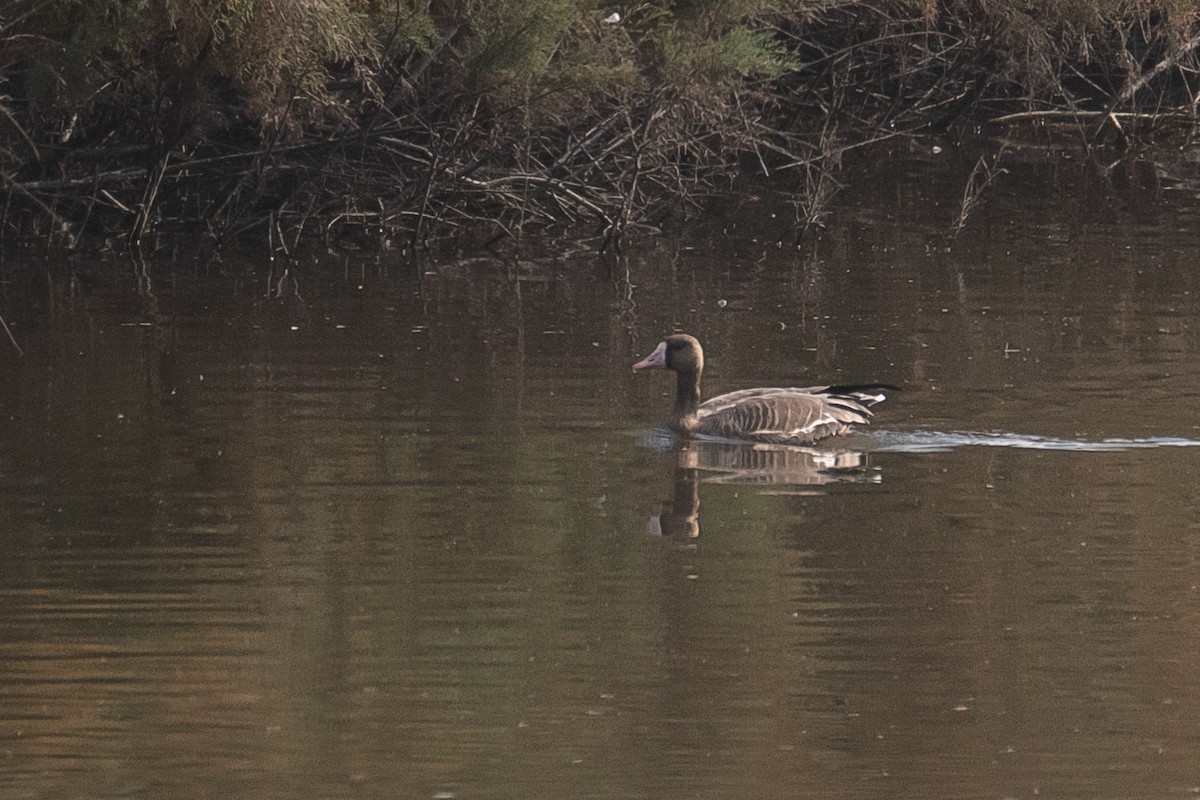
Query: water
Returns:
{"type": "Point", "coordinates": [384, 529]}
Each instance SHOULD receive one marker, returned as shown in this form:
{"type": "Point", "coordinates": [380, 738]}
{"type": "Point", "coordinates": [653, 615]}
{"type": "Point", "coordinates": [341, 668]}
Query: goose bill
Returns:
{"type": "Point", "coordinates": [656, 360]}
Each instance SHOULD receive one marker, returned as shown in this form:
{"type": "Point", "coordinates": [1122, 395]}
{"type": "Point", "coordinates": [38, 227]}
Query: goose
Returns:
{"type": "Point", "coordinates": [769, 416]}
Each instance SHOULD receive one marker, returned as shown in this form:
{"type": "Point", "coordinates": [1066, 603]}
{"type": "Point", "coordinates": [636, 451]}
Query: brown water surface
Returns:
{"type": "Point", "coordinates": [379, 528]}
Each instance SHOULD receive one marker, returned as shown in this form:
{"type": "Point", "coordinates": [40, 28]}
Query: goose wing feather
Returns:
{"type": "Point", "coordinates": [865, 395]}
{"type": "Point", "coordinates": [781, 416]}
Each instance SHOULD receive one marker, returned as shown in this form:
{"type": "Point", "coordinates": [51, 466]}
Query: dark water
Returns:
{"type": "Point", "coordinates": [379, 529]}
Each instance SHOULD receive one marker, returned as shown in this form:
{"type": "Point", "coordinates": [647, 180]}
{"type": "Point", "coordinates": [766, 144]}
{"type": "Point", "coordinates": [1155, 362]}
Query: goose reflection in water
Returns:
{"type": "Point", "coordinates": [704, 461]}
{"type": "Point", "coordinates": [680, 517]}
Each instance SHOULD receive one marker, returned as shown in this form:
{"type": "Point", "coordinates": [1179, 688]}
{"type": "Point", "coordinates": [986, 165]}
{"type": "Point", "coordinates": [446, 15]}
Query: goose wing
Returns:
{"type": "Point", "coordinates": [865, 394]}
{"type": "Point", "coordinates": [785, 416]}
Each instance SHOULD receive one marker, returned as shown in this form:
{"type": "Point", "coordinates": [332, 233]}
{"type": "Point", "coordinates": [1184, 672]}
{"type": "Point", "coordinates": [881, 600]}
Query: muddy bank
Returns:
{"type": "Point", "coordinates": [416, 121]}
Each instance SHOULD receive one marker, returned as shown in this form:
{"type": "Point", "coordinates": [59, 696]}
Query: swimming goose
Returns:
{"type": "Point", "coordinates": [773, 416]}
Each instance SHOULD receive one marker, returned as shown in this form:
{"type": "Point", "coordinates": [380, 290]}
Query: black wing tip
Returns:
{"type": "Point", "coordinates": [864, 395]}
{"type": "Point", "coordinates": [866, 388]}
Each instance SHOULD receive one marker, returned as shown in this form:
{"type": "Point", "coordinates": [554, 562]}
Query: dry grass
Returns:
{"type": "Point", "coordinates": [345, 116]}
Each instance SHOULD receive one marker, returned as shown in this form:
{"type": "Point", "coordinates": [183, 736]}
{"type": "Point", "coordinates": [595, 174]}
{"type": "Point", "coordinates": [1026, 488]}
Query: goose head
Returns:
{"type": "Point", "coordinates": [678, 353]}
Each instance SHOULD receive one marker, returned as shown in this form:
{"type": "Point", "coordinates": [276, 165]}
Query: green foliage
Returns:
{"type": "Point", "coordinates": [404, 32]}
{"type": "Point", "coordinates": [280, 51]}
{"type": "Point", "coordinates": [693, 55]}
{"type": "Point", "coordinates": [113, 52]}
{"type": "Point", "coordinates": [517, 37]}
{"type": "Point", "coordinates": [280, 54]}
{"type": "Point", "coordinates": [745, 52]}
{"type": "Point", "coordinates": [85, 43]}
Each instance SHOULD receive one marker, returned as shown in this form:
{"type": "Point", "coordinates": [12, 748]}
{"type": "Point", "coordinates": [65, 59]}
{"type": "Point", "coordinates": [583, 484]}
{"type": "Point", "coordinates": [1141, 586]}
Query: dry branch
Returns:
{"type": "Point", "coordinates": [1173, 59]}
{"type": "Point", "coordinates": [11, 338]}
{"type": "Point", "coordinates": [410, 133]}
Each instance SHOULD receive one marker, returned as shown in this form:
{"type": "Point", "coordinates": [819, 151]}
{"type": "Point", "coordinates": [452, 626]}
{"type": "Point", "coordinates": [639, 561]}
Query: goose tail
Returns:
{"type": "Point", "coordinates": [867, 394]}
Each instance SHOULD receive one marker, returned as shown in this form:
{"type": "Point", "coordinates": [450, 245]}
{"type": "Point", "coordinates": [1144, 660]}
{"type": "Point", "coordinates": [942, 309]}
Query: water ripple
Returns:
{"type": "Point", "coordinates": [884, 441]}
